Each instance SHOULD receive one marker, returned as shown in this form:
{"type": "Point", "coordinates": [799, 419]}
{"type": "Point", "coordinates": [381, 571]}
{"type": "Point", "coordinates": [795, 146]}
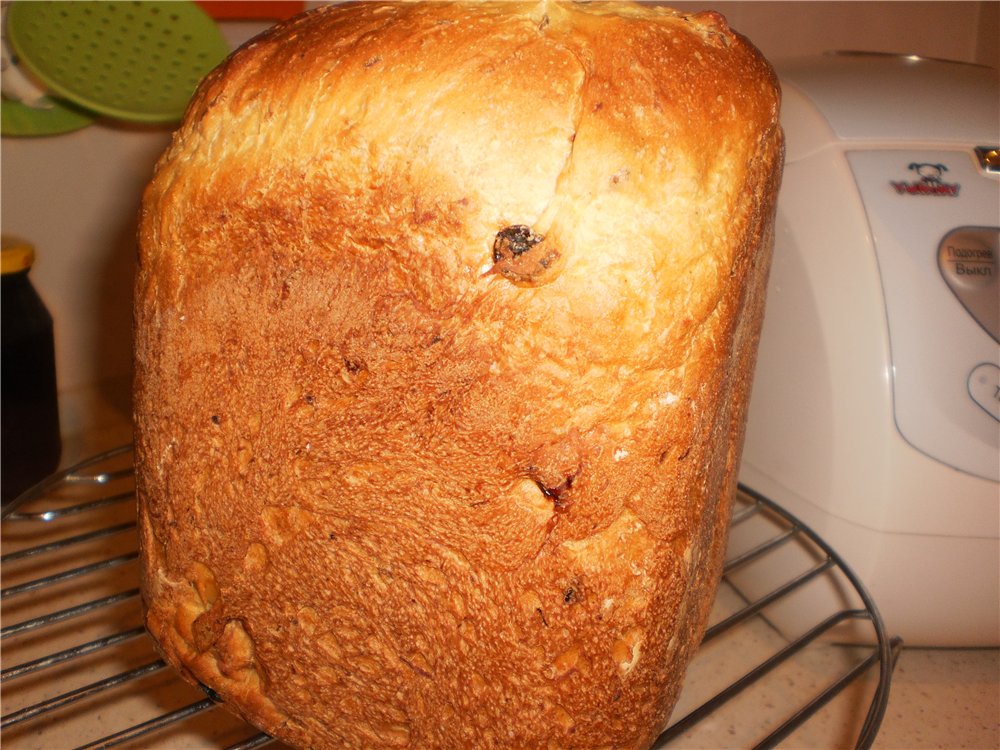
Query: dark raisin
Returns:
{"type": "Point", "coordinates": [558, 493]}
{"type": "Point", "coordinates": [524, 257]}
{"type": "Point", "coordinates": [513, 241]}
{"type": "Point", "coordinates": [214, 696]}
{"type": "Point", "coordinates": [541, 614]}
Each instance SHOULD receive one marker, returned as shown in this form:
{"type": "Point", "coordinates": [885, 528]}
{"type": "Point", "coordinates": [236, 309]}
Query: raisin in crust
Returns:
{"type": "Point", "coordinates": [445, 322]}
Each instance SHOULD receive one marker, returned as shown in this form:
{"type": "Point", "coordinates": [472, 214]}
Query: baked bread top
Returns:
{"type": "Point", "coordinates": [445, 322]}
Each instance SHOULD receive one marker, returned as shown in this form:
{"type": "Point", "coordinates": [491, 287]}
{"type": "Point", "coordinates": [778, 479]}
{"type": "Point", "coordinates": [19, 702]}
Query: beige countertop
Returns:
{"type": "Point", "coordinates": [939, 698]}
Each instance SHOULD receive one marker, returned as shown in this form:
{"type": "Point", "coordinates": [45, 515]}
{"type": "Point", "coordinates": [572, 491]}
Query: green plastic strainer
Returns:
{"type": "Point", "coordinates": [134, 61]}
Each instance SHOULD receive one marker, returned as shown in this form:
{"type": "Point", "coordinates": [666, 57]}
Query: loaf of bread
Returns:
{"type": "Point", "coordinates": [445, 322]}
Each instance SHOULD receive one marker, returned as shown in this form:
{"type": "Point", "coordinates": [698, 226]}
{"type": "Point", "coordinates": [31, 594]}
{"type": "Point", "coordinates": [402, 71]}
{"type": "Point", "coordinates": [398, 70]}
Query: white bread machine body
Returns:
{"type": "Point", "coordinates": [875, 415]}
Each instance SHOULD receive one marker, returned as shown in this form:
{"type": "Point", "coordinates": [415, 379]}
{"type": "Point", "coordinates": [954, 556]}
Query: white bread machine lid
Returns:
{"type": "Point", "coordinates": [892, 99]}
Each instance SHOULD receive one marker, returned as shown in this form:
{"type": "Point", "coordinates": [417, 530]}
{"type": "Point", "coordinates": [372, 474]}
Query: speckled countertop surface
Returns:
{"type": "Point", "coordinates": [939, 698]}
{"type": "Point", "coordinates": [944, 699]}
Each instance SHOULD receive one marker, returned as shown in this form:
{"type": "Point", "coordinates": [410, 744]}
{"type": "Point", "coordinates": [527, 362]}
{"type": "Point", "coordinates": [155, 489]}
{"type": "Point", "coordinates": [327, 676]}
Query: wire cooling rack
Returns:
{"type": "Point", "coordinates": [795, 653]}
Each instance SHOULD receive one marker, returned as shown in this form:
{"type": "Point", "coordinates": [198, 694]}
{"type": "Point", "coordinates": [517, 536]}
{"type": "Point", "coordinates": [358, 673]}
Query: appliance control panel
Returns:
{"type": "Point", "coordinates": [933, 216]}
{"type": "Point", "coordinates": [967, 257]}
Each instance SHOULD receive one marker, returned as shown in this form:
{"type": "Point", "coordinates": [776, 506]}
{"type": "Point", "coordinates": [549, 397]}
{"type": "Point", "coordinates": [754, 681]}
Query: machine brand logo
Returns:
{"type": "Point", "coordinates": [930, 182]}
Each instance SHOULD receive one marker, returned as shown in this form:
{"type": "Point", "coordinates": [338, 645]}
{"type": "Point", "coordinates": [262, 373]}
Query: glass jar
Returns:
{"type": "Point", "coordinates": [30, 443]}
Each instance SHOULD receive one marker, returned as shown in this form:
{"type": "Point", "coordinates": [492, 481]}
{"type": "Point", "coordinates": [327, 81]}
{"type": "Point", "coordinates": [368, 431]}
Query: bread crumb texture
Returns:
{"type": "Point", "coordinates": [445, 321]}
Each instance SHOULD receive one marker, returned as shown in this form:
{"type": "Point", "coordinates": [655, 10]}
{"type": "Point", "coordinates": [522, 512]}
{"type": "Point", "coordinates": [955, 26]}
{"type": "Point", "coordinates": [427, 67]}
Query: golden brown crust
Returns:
{"type": "Point", "coordinates": [401, 485]}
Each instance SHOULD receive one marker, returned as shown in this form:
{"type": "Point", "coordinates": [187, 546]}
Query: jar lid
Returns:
{"type": "Point", "coordinates": [17, 254]}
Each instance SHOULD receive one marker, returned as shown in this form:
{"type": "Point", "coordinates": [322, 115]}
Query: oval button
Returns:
{"type": "Point", "coordinates": [984, 387]}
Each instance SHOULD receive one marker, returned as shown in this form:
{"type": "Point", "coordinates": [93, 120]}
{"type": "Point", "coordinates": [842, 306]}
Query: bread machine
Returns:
{"type": "Point", "coordinates": [875, 414]}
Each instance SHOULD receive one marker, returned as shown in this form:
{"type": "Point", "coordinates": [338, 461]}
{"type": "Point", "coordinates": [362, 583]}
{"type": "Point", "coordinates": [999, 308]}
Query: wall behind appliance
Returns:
{"type": "Point", "coordinates": [963, 31]}
{"type": "Point", "coordinates": [76, 196]}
